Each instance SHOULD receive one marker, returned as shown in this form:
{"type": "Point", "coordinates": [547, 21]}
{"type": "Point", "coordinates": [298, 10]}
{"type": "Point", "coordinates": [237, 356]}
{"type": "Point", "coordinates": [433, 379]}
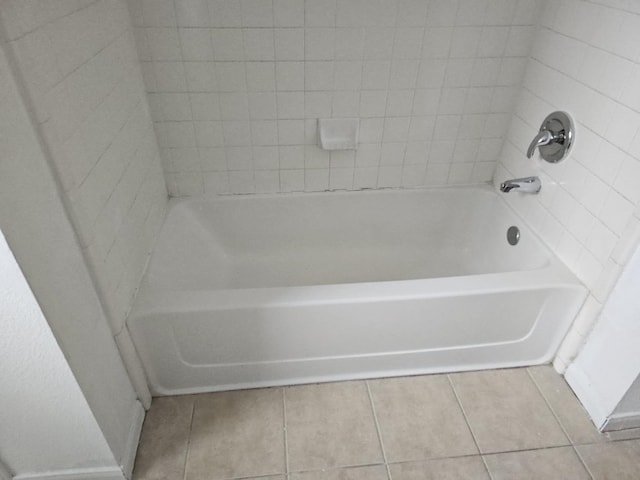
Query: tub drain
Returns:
{"type": "Point", "coordinates": [513, 235]}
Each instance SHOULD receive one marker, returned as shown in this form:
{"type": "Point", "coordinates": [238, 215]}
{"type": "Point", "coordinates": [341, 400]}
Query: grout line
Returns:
{"type": "Point", "coordinates": [586, 467]}
{"type": "Point", "coordinates": [183, 69]}
{"type": "Point", "coordinates": [275, 93]}
{"type": "Point", "coordinates": [286, 439]}
{"type": "Point", "coordinates": [378, 430]}
{"type": "Point", "coordinates": [466, 419]}
{"type": "Point", "coordinates": [564, 430]}
{"type": "Point", "coordinates": [186, 457]}
{"type": "Point", "coordinates": [546, 401]}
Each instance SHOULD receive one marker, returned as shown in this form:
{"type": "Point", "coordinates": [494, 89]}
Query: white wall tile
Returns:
{"type": "Point", "coordinates": [347, 75]}
{"type": "Point", "coordinates": [213, 159]}
{"type": "Point", "coordinates": [170, 77]}
{"type": "Point", "coordinates": [320, 13]}
{"type": "Point", "coordinates": [231, 77]}
{"type": "Point", "coordinates": [208, 134]}
{"type": "Point", "coordinates": [239, 159]}
{"type": "Point", "coordinates": [366, 177]}
{"type": "Point", "coordinates": [288, 13]}
{"type": "Point", "coordinates": [196, 44]}
{"type": "Point", "coordinates": [205, 106]}
{"type": "Point", "coordinates": [594, 191]}
{"type": "Point", "coordinates": [241, 182]}
{"type": "Point", "coordinates": [316, 180]}
{"type": "Point", "coordinates": [80, 70]}
{"type": "Point", "coordinates": [318, 75]}
{"type": "Point", "coordinates": [264, 132]}
{"type": "Point", "coordinates": [192, 13]}
{"type": "Point", "coordinates": [199, 77]}
{"type": "Point", "coordinates": [164, 44]}
{"type": "Point", "coordinates": [261, 76]}
{"type": "Point", "coordinates": [345, 104]}
{"type": "Point", "coordinates": [257, 13]}
{"type": "Point", "coordinates": [292, 180]}
{"type": "Point", "coordinates": [267, 181]}
{"type": "Point", "coordinates": [158, 13]}
{"type": "Point", "coordinates": [289, 43]}
{"type": "Point", "coordinates": [349, 43]}
{"type": "Point", "coordinates": [234, 106]}
{"type": "Point", "coordinates": [258, 44]}
{"type": "Point", "coordinates": [389, 176]}
{"type": "Point", "coordinates": [267, 69]}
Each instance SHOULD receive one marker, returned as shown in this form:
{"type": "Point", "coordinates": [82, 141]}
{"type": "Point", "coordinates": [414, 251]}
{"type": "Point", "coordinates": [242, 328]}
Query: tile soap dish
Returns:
{"type": "Point", "coordinates": [338, 133]}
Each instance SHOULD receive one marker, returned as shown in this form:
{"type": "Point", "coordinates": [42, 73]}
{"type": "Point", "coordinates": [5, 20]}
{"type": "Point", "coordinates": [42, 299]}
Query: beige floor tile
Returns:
{"type": "Point", "coordinates": [271, 477]}
{"type": "Point", "coordinates": [549, 464]}
{"type": "Point", "coordinates": [163, 444]}
{"type": "Point", "coordinates": [506, 411]}
{"type": "Point", "coordinates": [566, 406]}
{"type": "Point", "coordinates": [461, 468]}
{"type": "Point", "coordinates": [330, 425]}
{"type": "Point", "coordinates": [376, 472]}
{"type": "Point", "coordinates": [612, 461]}
{"type": "Point", "coordinates": [419, 418]}
{"type": "Point", "coordinates": [237, 434]}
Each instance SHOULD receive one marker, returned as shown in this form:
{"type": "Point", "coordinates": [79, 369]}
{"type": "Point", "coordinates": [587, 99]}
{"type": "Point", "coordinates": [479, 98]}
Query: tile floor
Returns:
{"type": "Point", "coordinates": [519, 423]}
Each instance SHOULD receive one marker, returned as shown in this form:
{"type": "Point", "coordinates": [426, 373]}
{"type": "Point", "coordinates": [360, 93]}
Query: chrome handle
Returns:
{"type": "Point", "coordinates": [544, 137]}
{"type": "Point", "coordinates": [554, 138]}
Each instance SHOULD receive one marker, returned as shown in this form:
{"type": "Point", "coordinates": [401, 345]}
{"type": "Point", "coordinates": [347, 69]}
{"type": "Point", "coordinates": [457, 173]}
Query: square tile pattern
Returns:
{"type": "Point", "coordinates": [420, 73]}
{"type": "Point", "coordinates": [522, 423]}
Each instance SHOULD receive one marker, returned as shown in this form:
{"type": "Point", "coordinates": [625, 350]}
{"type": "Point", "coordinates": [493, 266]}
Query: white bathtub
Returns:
{"type": "Point", "coordinates": [269, 290]}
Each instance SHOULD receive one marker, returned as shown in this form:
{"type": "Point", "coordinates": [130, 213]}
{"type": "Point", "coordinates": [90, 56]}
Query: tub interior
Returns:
{"type": "Point", "coordinates": [320, 239]}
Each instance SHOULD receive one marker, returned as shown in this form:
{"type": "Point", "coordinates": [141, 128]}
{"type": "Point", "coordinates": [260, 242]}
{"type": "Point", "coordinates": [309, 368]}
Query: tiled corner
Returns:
{"type": "Point", "coordinates": [420, 418]}
{"type": "Point", "coordinates": [89, 101]}
{"type": "Point", "coordinates": [585, 211]}
{"type": "Point", "coordinates": [572, 416]}
{"type": "Point", "coordinates": [506, 411]}
{"type": "Point", "coordinates": [165, 435]}
{"type": "Point", "coordinates": [330, 425]}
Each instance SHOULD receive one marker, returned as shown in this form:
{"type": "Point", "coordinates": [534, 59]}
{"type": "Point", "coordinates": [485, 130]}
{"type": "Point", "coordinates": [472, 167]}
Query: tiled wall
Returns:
{"type": "Point", "coordinates": [77, 62]}
{"type": "Point", "coordinates": [235, 88]}
{"type": "Point", "coordinates": [586, 60]}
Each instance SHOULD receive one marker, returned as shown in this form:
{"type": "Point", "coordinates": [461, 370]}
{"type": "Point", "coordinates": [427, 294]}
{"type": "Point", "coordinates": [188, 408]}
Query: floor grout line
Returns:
{"type": "Point", "coordinates": [186, 456]}
{"type": "Point", "coordinates": [555, 415]}
{"type": "Point", "coordinates": [466, 420]}
{"type": "Point", "coordinates": [287, 474]}
{"type": "Point", "coordinates": [546, 401]}
{"type": "Point", "coordinates": [586, 467]}
{"type": "Point", "coordinates": [286, 439]}
{"type": "Point", "coordinates": [378, 430]}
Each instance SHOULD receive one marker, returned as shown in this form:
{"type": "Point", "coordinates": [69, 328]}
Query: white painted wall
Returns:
{"type": "Point", "coordinates": [36, 225]}
{"type": "Point", "coordinates": [46, 422]}
{"type": "Point", "coordinates": [586, 60]}
{"type": "Point", "coordinates": [630, 404]}
{"type": "Point", "coordinates": [605, 373]}
{"type": "Point", "coordinates": [235, 88]}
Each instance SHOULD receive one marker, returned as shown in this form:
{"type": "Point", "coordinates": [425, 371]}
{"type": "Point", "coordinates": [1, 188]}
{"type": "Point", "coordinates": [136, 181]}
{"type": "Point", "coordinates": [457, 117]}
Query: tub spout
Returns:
{"type": "Point", "coordinates": [524, 185]}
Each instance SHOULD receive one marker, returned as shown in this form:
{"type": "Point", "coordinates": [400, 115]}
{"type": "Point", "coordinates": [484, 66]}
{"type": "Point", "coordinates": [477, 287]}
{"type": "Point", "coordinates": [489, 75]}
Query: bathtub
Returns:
{"type": "Point", "coordinates": [251, 291]}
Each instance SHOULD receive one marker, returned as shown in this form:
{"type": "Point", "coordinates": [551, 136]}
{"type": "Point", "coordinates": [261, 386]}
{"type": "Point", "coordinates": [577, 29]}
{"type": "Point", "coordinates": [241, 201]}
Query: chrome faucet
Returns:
{"type": "Point", "coordinates": [524, 185]}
